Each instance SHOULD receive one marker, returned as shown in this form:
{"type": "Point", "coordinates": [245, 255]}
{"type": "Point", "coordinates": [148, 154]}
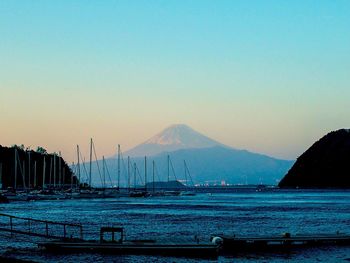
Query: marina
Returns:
{"type": "Point", "coordinates": [183, 220]}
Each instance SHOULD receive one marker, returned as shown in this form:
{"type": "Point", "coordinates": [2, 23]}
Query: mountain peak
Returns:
{"type": "Point", "coordinates": [172, 138]}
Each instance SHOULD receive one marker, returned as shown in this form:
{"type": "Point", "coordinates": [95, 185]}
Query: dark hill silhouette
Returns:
{"type": "Point", "coordinates": [326, 164]}
{"type": "Point", "coordinates": [30, 162]}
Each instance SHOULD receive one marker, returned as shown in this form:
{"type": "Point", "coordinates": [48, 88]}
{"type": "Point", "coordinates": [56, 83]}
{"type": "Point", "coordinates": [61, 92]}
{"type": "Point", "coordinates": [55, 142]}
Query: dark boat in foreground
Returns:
{"type": "Point", "coordinates": [135, 247]}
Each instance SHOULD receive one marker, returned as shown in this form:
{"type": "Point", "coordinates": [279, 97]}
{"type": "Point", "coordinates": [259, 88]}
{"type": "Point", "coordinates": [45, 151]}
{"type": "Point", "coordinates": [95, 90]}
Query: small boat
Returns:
{"type": "Point", "coordinates": [188, 193]}
{"type": "Point", "coordinates": [138, 194]}
{"type": "Point", "coordinates": [133, 247]}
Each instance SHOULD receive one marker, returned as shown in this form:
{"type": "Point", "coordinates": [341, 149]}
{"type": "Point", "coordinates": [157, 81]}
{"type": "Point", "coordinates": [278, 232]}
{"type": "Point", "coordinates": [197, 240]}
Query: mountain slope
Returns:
{"type": "Point", "coordinates": [175, 137]}
{"type": "Point", "coordinates": [325, 164]}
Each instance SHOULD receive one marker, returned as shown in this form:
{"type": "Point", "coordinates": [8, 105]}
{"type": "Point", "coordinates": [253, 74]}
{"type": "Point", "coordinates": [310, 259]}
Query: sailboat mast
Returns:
{"type": "Point", "coordinates": [71, 179]}
{"type": "Point", "coordinates": [44, 167]}
{"type": "Point", "coordinates": [103, 172]}
{"type": "Point", "coordinates": [59, 170]}
{"type": "Point", "coordinates": [50, 181]}
{"type": "Point", "coordinates": [129, 173]}
{"type": "Point", "coordinates": [134, 176]}
{"type": "Point", "coordinates": [54, 170]}
{"type": "Point", "coordinates": [118, 166]}
{"type": "Point", "coordinates": [0, 176]}
{"type": "Point", "coordinates": [78, 164]}
{"type": "Point", "coordinates": [153, 174]}
{"type": "Point", "coordinates": [90, 162]}
{"type": "Point", "coordinates": [63, 176]}
{"type": "Point", "coordinates": [29, 169]}
{"type": "Point", "coordinates": [185, 172]}
{"type": "Point", "coordinates": [34, 174]}
{"type": "Point", "coordinates": [145, 173]}
{"type": "Point", "coordinates": [168, 168]}
{"type": "Point", "coordinates": [24, 175]}
{"type": "Point", "coordinates": [15, 169]}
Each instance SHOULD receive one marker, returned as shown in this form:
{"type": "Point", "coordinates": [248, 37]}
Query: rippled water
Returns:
{"type": "Point", "coordinates": [239, 213]}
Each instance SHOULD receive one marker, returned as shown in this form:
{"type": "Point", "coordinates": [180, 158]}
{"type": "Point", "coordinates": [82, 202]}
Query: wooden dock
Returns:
{"type": "Point", "coordinates": [233, 244]}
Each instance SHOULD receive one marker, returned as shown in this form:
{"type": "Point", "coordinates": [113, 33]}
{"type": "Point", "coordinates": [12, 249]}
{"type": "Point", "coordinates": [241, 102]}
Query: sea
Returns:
{"type": "Point", "coordinates": [241, 212]}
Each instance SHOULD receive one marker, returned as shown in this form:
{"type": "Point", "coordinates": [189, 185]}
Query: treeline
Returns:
{"type": "Point", "coordinates": [22, 168]}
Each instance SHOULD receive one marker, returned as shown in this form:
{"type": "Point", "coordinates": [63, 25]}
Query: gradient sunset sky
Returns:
{"type": "Point", "coordinates": [268, 76]}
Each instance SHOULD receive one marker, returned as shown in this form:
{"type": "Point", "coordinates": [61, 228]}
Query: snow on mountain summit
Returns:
{"type": "Point", "coordinates": [175, 137]}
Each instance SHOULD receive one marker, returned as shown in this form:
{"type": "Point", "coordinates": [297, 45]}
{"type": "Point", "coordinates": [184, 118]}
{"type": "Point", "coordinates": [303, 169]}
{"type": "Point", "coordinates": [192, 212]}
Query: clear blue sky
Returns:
{"type": "Point", "coordinates": [268, 76]}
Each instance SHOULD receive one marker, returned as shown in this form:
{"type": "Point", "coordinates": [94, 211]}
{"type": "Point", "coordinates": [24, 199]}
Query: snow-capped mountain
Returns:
{"type": "Point", "coordinates": [175, 137]}
{"type": "Point", "coordinates": [207, 159]}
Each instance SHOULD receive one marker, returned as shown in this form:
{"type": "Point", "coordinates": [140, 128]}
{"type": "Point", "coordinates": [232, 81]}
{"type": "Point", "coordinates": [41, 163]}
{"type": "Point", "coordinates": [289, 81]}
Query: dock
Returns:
{"type": "Point", "coordinates": [40, 228]}
{"type": "Point", "coordinates": [286, 241]}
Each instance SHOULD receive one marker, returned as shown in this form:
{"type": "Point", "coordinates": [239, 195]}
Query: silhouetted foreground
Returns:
{"type": "Point", "coordinates": [28, 169]}
{"type": "Point", "coordinates": [326, 164]}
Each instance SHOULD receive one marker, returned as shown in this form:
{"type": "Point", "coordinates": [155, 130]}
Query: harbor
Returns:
{"type": "Point", "coordinates": [185, 219]}
{"type": "Point", "coordinates": [37, 175]}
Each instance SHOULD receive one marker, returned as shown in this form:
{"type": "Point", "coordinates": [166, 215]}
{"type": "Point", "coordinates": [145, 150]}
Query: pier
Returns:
{"type": "Point", "coordinates": [233, 244]}
{"type": "Point", "coordinates": [40, 228]}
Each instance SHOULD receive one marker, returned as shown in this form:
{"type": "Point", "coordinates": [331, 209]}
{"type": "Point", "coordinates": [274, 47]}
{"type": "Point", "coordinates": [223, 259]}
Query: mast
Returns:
{"type": "Point", "coordinates": [78, 164]}
{"type": "Point", "coordinates": [50, 178]}
{"type": "Point", "coordinates": [129, 173]}
{"type": "Point", "coordinates": [118, 166]}
{"type": "Point", "coordinates": [34, 174]}
{"type": "Point", "coordinates": [90, 162]}
{"type": "Point", "coordinates": [29, 169]}
{"type": "Point", "coordinates": [134, 176]}
{"type": "Point", "coordinates": [103, 173]}
{"type": "Point", "coordinates": [71, 180]}
{"type": "Point", "coordinates": [24, 175]}
{"type": "Point", "coordinates": [145, 173]}
{"type": "Point", "coordinates": [44, 167]}
{"type": "Point", "coordinates": [0, 175]}
{"type": "Point", "coordinates": [63, 176]}
{"type": "Point", "coordinates": [59, 170]}
{"type": "Point", "coordinates": [185, 172]}
{"type": "Point", "coordinates": [168, 168]}
{"type": "Point", "coordinates": [15, 168]}
{"type": "Point", "coordinates": [153, 175]}
{"type": "Point", "coordinates": [54, 170]}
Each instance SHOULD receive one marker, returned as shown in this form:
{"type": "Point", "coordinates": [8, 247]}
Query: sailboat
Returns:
{"type": "Point", "coordinates": [186, 192]}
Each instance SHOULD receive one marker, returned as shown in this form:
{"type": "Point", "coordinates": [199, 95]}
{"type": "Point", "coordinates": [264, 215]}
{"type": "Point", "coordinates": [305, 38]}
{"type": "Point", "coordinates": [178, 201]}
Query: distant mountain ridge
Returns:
{"type": "Point", "coordinates": [208, 160]}
{"type": "Point", "coordinates": [175, 137]}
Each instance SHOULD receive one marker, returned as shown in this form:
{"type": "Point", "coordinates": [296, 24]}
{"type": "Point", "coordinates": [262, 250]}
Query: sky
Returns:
{"type": "Point", "coordinates": [268, 76]}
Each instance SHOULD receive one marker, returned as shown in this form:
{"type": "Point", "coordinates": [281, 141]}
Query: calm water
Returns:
{"type": "Point", "coordinates": [242, 213]}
